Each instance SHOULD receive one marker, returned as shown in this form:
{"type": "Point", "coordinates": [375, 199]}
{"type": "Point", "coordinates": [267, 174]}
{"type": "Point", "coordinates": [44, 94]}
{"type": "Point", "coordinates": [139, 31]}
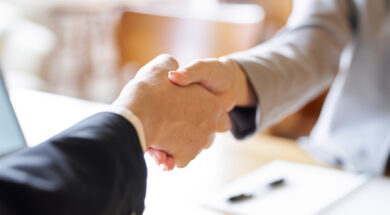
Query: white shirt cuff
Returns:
{"type": "Point", "coordinates": [134, 120]}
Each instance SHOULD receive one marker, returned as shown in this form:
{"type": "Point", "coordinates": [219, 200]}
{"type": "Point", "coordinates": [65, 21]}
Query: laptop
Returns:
{"type": "Point", "coordinates": [11, 135]}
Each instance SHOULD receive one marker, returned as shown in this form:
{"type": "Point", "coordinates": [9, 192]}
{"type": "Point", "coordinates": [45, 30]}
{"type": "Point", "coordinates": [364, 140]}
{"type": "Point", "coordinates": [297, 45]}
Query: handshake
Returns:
{"type": "Point", "coordinates": [181, 109]}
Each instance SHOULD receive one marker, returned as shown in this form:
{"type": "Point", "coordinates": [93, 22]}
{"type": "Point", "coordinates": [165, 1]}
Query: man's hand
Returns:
{"type": "Point", "coordinates": [223, 77]}
{"type": "Point", "coordinates": [179, 121]}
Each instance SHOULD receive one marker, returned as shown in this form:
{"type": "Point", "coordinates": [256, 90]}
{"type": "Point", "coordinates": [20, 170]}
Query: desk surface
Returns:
{"type": "Point", "coordinates": [179, 192]}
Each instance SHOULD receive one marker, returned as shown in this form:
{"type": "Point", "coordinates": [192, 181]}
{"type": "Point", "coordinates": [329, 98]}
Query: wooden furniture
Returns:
{"type": "Point", "coordinates": [188, 32]}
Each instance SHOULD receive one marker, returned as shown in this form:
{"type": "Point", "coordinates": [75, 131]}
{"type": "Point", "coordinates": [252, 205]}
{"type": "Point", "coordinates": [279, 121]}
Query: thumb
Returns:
{"type": "Point", "coordinates": [182, 78]}
{"type": "Point", "coordinates": [210, 73]}
{"type": "Point", "coordinates": [159, 157]}
{"type": "Point", "coordinates": [198, 72]}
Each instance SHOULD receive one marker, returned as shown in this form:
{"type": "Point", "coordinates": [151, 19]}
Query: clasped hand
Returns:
{"type": "Point", "coordinates": [182, 109]}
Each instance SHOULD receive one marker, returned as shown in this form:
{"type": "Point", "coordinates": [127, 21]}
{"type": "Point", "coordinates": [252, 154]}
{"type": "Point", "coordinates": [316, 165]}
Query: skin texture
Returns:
{"type": "Point", "coordinates": [179, 122]}
{"type": "Point", "coordinates": [223, 77]}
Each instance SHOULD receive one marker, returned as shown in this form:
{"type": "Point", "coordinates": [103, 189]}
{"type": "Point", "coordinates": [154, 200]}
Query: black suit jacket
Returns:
{"type": "Point", "coordinates": [95, 167]}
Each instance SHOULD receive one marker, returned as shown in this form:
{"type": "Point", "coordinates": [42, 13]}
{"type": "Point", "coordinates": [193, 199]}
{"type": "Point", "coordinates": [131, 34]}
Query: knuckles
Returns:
{"type": "Point", "coordinates": [169, 59]}
{"type": "Point", "coordinates": [165, 62]}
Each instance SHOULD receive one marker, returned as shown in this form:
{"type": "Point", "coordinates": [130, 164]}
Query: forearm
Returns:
{"type": "Point", "coordinates": [285, 79]}
{"type": "Point", "coordinates": [298, 64]}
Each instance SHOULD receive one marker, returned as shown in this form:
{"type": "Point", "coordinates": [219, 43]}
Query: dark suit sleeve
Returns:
{"type": "Point", "coordinates": [243, 121]}
{"type": "Point", "coordinates": [95, 167]}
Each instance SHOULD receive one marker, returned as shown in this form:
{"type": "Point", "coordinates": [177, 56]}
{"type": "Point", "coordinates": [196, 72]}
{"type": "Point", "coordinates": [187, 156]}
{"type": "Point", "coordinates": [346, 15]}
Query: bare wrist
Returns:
{"type": "Point", "coordinates": [132, 98]}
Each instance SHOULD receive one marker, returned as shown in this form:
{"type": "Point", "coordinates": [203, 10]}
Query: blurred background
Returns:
{"type": "Point", "coordinates": [90, 48]}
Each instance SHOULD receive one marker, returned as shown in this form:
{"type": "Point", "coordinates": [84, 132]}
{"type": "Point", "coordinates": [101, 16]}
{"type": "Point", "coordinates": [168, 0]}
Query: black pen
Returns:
{"type": "Point", "coordinates": [245, 196]}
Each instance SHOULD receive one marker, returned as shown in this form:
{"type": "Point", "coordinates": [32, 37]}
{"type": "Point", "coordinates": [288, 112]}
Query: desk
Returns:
{"type": "Point", "coordinates": [178, 192]}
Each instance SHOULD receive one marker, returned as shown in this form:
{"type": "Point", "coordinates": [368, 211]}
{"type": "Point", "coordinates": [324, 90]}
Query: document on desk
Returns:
{"type": "Point", "coordinates": [305, 190]}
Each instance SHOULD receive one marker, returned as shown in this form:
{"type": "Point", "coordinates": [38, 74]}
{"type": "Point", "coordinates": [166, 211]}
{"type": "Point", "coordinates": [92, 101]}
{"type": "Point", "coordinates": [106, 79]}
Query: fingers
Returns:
{"type": "Point", "coordinates": [180, 78]}
{"type": "Point", "coordinates": [161, 158]}
{"type": "Point", "coordinates": [158, 156]}
{"type": "Point", "coordinates": [169, 164]}
{"type": "Point", "coordinates": [206, 72]}
{"type": "Point", "coordinates": [213, 75]}
{"type": "Point", "coordinates": [198, 72]}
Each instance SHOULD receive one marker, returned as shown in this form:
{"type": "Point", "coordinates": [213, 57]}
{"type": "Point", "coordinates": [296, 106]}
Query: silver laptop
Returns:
{"type": "Point", "coordinates": [11, 135]}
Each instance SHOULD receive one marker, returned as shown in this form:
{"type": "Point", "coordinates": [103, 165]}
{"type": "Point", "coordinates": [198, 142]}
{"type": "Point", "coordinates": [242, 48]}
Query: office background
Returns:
{"type": "Point", "coordinates": [90, 49]}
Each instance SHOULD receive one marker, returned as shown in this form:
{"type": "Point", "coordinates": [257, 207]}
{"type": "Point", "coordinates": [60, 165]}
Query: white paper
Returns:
{"type": "Point", "coordinates": [307, 190]}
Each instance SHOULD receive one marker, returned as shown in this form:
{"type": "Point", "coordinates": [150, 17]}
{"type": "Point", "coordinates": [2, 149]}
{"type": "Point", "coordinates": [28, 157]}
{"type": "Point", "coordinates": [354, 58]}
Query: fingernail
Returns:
{"type": "Point", "coordinates": [175, 73]}
{"type": "Point", "coordinates": [170, 163]}
{"type": "Point", "coordinates": [156, 158]}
